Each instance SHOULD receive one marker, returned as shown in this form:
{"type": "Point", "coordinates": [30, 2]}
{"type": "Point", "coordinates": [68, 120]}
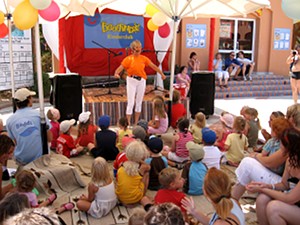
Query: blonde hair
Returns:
{"type": "Point", "coordinates": [167, 176]}
{"type": "Point", "coordinates": [200, 120]}
{"type": "Point", "coordinates": [159, 107]}
{"type": "Point", "coordinates": [136, 151]}
{"type": "Point", "coordinates": [100, 172]}
{"type": "Point", "coordinates": [135, 43]}
{"type": "Point", "coordinates": [217, 187]}
{"type": "Point", "coordinates": [239, 125]}
{"type": "Point", "coordinates": [25, 181]}
{"type": "Point", "coordinates": [137, 217]}
{"type": "Point", "coordinates": [292, 110]}
{"type": "Point", "coordinates": [253, 112]}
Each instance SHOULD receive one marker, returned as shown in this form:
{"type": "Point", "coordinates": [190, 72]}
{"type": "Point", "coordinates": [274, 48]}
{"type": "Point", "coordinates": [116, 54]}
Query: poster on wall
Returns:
{"type": "Point", "coordinates": [196, 36]}
{"type": "Point", "coordinates": [225, 29]}
{"type": "Point", "coordinates": [282, 38]}
{"type": "Point", "coordinates": [22, 60]}
{"type": "Point", "coordinates": [112, 30]}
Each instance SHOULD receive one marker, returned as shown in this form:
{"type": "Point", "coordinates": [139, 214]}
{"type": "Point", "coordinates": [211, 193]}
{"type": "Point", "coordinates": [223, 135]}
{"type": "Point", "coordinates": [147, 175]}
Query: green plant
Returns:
{"type": "Point", "coordinates": [46, 84]}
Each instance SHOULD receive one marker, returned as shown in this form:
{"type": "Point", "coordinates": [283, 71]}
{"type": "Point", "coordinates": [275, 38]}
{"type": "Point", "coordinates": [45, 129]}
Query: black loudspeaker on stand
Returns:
{"type": "Point", "coordinates": [67, 96]}
{"type": "Point", "coordinates": [202, 93]}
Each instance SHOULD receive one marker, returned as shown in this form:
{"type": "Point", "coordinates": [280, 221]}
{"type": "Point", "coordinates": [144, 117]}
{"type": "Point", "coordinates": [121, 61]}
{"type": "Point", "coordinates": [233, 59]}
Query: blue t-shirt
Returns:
{"type": "Point", "coordinates": [272, 146]}
{"type": "Point", "coordinates": [24, 126]}
{"type": "Point", "coordinates": [196, 178]}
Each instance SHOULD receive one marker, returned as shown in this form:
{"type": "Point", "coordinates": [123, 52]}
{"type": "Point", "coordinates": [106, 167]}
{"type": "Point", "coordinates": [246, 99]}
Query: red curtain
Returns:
{"type": "Point", "coordinates": [94, 62]}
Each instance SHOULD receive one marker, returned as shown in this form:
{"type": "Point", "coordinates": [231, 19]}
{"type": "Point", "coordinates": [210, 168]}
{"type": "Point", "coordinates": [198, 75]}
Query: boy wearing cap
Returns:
{"type": "Point", "coordinates": [156, 161]}
{"type": "Point", "coordinates": [65, 142]}
{"type": "Point", "coordinates": [24, 127]}
{"type": "Point", "coordinates": [105, 140]}
{"type": "Point", "coordinates": [212, 154]}
{"type": "Point", "coordinates": [86, 130]}
{"type": "Point", "coordinates": [195, 171]}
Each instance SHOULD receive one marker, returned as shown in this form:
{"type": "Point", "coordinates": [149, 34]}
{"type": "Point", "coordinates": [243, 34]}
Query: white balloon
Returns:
{"type": "Point", "coordinates": [40, 4]}
{"type": "Point", "coordinates": [159, 19]}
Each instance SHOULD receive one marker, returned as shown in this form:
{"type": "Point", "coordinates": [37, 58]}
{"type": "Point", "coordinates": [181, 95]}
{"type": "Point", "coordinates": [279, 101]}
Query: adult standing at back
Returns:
{"type": "Point", "coordinates": [293, 61]}
{"type": "Point", "coordinates": [135, 65]}
{"type": "Point", "coordinates": [24, 127]}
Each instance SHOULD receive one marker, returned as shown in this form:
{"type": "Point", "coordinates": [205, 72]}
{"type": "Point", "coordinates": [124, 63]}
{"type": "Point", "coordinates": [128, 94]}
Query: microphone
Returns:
{"type": "Point", "coordinates": [147, 50]}
{"type": "Point", "coordinates": [117, 54]}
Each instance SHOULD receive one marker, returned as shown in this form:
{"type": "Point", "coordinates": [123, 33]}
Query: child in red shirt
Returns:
{"type": "Point", "coordinates": [178, 109]}
{"type": "Point", "coordinates": [54, 115]}
{"type": "Point", "coordinates": [86, 130]}
{"type": "Point", "coordinates": [65, 142]}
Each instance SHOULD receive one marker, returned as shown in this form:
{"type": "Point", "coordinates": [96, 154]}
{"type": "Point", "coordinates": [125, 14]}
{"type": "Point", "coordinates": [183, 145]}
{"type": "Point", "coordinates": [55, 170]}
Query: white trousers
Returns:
{"type": "Point", "coordinates": [135, 94]}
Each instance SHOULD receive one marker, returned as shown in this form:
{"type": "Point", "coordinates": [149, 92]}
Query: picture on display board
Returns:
{"type": "Point", "coordinates": [196, 36]}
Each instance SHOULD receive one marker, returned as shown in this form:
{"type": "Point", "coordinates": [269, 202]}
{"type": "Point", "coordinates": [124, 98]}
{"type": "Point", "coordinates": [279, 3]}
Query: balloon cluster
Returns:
{"type": "Point", "coordinates": [158, 21]}
{"type": "Point", "coordinates": [26, 12]}
{"type": "Point", "coordinates": [291, 8]}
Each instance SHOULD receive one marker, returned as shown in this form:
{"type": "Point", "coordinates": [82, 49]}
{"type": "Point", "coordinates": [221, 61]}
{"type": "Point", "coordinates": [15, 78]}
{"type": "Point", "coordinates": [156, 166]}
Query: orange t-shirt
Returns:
{"type": "Point", "coordinates": [135, 65]}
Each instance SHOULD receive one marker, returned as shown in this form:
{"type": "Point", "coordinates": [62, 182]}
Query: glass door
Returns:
{"type": "Point", "coordinates": [237, 35]}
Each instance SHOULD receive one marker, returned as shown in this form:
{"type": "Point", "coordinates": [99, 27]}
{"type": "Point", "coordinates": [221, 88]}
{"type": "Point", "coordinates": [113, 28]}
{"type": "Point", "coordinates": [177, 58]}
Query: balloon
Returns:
{"type": "Point", "coordinates": [151, 26]}
{"type": "Point", "coordinates": [25, 16]}
{"type": "Point", "coordinates": [291, 8]}
{"type": "Point", "coordinates": [1, 17]}
{"type": "Point", "coordinates": [164, 30]}
{"type": "Point", "coordinates": [51, 13]}
{"type": "Point", "coordinates": [151, 10]}
{"type": "Point", "coordinates": [40, 4]}
{"type": "Point", "coordinates": [14, 3]}
{"type": "Point", "coordinates": [159, 19]}
{"type": "Point", "coordinates": [3, 30]}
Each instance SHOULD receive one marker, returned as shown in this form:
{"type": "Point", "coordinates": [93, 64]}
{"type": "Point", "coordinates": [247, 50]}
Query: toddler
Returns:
{"type": "Point", "coordinates": [133, 175]}
{"type": "Point", "coordinates": [101, 198]}
{"type": "Point", "coordinates": [212, 154]}
{"type": "Point", "coordinates": [160, 122]}
{"type": "Point", "coordinates": [86, 130]}
{"type": "Point", "coordinates": [178, 111]}
{"type": "Point", "coordinates": [65, 142]}
{"type": "Point", "coordinates": [25, 183]}
{"type": "Point", "coordinates": [156, 162]}
{"type": "Point", "coordinates": [196, 128]}
{"type": "Point", "coordinates": [194, 172]}
{"type": "Point", "coordinates": [123, 131]}
{"type": "Point", "coordinates": [54, 115]}
{"type": "Point", "coordinates": [178, 154]}
{"type": "Point", "coordinates": [236, 142]}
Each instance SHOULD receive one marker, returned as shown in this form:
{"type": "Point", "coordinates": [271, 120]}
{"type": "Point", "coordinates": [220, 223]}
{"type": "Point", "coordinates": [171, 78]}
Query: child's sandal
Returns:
{"type": "Point", "coordinates": [52, 198]}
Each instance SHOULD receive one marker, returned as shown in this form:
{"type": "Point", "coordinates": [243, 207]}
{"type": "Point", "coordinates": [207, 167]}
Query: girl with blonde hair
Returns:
{"type": "Point", "coordinates": [101, 198]}
{"type": "Point", "coordinates": [196, 128]}
{"type": "Point", "coordinates": [217, 188]}
{"type": "Point", "coordinates": [160, 122]}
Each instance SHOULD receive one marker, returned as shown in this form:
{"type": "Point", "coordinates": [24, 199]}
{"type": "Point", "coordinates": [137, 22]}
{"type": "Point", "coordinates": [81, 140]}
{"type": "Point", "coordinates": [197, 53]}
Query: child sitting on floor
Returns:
{"type": "Point", "coordinates": [253, 127]}
{"type": "Point", "coordinates": [105, 140]}
{"type": "Point", "coordinates": [101, 198]}
{"type": "Point", "coordinates": [25, 183]}
{"type": "Point", "coordinates": [236, 142]}
{"type": "Point", "coordinates": [156, 162]}
{"type": "Point", "coordinates": [194, 172]}
{"type": "Point", "coordinates": [179, 154]}
{"type": "Point", "coordinates": [178, 109]}
{"type": "Point", "coordinates": [65, 142]}
{"type": "Point", "coordinates": [226, 129]}
{"type": "Point", "coordinates": [212, 154]}
{"type": "Point", "coordinates": [160, 122]}
{"type": "Point", "coordinates": [54, 115]}
{"type": "Point", "coordinates": [196, 128]}
{"type": "Point", "coordinates": [86, 130]}
{"type": "Point", "coordinates": [123, 131]}
{"type": "Point", "coordinates": [133, 175]}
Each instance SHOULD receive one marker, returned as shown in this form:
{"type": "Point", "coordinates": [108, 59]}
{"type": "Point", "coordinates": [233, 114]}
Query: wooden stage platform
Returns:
{"type": "Point", "coordinates": [98, 102]}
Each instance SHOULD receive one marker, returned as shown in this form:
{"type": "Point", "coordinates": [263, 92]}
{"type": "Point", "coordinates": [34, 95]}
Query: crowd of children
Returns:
{"type": "Point", "coordinates": [191, 165]}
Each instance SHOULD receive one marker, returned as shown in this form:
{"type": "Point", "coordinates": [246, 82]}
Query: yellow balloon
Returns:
{"type": "Point", "coordinates": [25, 16]}
{"type": "Point", "coordinates": [1, 17]}
{"type": "Point", "coordinates": [151, 10]}
{"type": "Point", "coordinates": [151, 26]}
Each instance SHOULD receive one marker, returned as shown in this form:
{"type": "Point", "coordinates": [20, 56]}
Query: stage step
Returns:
{"type": "Point", "coordinates": [260, 86]}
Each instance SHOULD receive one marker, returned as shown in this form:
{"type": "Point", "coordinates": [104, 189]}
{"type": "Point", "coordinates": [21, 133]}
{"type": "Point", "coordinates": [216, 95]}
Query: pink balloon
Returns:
{"type": "Point", "coordinates": [3, 30]}
{"type": "Point", "coordinates": [164, 30]}
{"type": "Point", "coordinates": [51, 13]}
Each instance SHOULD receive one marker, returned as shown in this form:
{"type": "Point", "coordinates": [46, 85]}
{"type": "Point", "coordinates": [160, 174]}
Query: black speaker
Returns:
{"type": "Point", "coordinates": [67, 96]}
{"type": "Point", "coordinates": [202, 91]}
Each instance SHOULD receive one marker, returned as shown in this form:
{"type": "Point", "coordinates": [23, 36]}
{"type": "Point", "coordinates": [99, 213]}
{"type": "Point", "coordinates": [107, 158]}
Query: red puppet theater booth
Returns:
{"type": "Point", "coordinates": [94, 47]}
